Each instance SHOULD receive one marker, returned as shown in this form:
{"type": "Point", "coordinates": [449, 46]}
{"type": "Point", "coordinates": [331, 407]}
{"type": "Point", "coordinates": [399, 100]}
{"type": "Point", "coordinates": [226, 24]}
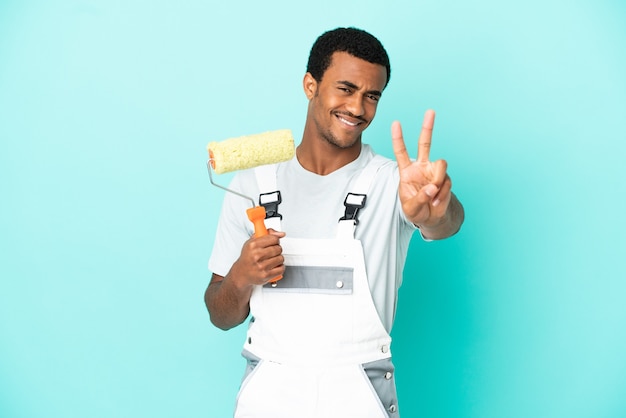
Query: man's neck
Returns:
{"type": "Point", "coordinates": [321, 157]}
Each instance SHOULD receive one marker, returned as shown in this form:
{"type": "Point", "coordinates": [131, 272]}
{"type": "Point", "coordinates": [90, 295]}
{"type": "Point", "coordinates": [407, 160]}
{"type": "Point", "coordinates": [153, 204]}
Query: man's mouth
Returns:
{"type": "Point", "coordinates": [348, 120]}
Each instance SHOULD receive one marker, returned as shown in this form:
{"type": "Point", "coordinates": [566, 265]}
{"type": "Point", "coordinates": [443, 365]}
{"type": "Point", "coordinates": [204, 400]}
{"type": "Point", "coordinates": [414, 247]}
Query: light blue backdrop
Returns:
{"type": "Point", "coordinates": [107, 216]}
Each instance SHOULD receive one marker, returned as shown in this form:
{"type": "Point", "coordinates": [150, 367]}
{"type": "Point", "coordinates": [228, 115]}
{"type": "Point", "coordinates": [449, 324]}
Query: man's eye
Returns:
{"type": "Point", "coordinates": [374, 98]}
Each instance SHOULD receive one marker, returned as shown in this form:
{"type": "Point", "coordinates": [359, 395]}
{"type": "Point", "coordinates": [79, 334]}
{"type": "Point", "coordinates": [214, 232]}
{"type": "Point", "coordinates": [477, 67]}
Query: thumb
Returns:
{"type": "Point", "coordinates": [276, 233]}
{"type": "Point", "coordinates": [430, 190]}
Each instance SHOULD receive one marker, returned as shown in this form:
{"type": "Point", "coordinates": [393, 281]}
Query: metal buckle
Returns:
{"type": "Point", "coordinates": [353, 203]}
{"type": "Point", "coordinates": [270, 202]}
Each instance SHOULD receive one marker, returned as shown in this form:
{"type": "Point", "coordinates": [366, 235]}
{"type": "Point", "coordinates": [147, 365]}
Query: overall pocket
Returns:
{"type": "Point", "coordinates": [381, 376]}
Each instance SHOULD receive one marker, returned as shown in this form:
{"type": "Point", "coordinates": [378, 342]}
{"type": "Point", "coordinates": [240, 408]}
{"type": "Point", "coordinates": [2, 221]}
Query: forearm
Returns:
{"type": "Point", "coordinates": [228, 298]}
{"type": "Point", "coordinates": [228, 304]}
{"type": "Point", "coordinates": [449, 224]}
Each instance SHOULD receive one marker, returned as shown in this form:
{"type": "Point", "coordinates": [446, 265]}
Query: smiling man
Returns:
{"type": "Point", "coordinates": [318, 341]}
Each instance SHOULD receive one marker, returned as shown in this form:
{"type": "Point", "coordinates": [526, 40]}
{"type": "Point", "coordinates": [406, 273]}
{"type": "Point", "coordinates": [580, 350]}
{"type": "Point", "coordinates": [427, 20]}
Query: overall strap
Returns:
{"type": "Point", "coordinates": [269, 196]}
{"type": "Point", "coordinates": [357, 197]}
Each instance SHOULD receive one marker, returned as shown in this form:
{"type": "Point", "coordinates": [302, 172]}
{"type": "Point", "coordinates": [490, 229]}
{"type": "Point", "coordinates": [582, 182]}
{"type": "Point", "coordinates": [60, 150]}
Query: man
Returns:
{"type": "Point", "coordinates": [318, 342]}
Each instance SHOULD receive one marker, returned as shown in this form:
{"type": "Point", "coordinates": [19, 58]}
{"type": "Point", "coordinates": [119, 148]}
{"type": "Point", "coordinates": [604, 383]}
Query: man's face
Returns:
{"type": "Point", "coordinates": [344, 103]}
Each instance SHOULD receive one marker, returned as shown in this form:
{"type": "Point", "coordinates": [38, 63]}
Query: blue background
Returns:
{"type": "Point", "coordinates": [107, 216]}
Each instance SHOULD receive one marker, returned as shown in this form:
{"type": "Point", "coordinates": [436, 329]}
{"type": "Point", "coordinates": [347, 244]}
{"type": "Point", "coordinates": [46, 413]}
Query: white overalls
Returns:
{"type": "Point", "coordinates": [316, 346]}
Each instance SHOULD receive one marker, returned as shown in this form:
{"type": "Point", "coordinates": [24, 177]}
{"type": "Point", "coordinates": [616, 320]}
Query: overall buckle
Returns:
{"type": "Point", "coordinates": [353, 203]}
{"type": "Point", "coordinates": [270, 202]}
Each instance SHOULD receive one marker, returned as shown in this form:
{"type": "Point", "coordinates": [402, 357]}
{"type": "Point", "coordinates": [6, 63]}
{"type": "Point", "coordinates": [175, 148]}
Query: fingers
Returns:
{"type": "Point", "coordinates": [262, 257]}
{"type": "Point", "coordinates": [439, 171]}
{"type": "Point", "coordinates": [399, 148]}
{"type": "Point", "coordinates": [440, 183]}
{"type": "Point", "coordinates": [423, 144]}
{"type": "Point", "coordinates": [268, 252]}
{"type": "Point", "coordinates": [442, 198]}
{"type": "Point", "coordinates": [430, 203]}
{"type": "Point", "coordinates": [274, 254]}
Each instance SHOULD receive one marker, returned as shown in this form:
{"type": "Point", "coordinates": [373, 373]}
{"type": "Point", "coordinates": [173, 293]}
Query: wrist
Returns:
{"type": "Point", "coordinates": [237, 280]}
{"type": "Point", "coordinates": [432, 223]}
{"type": "Point", "coordinates": [447, 225]}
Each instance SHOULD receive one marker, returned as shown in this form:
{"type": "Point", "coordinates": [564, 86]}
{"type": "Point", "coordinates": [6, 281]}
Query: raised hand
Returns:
{"type": "Point", "coordinates": [425, 187]}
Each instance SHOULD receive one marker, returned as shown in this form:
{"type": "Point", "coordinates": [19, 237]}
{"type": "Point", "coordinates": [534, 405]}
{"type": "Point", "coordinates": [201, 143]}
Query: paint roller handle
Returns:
{"type": "Point", "coordinates": [257, 217]}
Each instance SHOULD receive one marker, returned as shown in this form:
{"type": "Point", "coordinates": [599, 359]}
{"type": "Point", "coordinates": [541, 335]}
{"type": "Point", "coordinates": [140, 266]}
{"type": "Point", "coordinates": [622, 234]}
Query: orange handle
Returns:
{"type": "Point", "coordinates": [257, 217]}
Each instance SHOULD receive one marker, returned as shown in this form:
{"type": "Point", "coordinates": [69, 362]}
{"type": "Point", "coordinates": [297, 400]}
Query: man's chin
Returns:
{"type": "Point", "coordinates": [346, 143]}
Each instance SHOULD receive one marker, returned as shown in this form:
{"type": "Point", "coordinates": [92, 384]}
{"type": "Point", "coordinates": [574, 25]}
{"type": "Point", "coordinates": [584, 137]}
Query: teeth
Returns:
{"type": "Point", "coordinates": [347, 122]}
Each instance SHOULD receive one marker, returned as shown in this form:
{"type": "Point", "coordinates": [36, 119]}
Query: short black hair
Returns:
{"type": "Point", "coordinates": [355, 42]}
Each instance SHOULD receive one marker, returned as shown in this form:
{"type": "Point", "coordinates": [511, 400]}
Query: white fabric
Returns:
{"type": "Point", "coordinates": [340, 392]}
{"type": "Point", "coordinates": [312, 344]}
{"type": "Point", "coordinates": [311, 207]}
{"type": "Point", "coordinates": [267, 182]}
{"type": "Point", "coordinates": [318, 328]}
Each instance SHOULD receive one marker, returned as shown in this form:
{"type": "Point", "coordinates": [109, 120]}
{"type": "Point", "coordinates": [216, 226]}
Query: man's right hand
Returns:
{"type": "Point", "coordinates": [261, 260]}
{"type": "Point", "coordinates": [228, 298]}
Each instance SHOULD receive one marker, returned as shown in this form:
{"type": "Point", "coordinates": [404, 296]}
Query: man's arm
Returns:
{"type": "Point", "coordinates": [228, 298]}
{"type": "Point", "coordinates": [228, 304]}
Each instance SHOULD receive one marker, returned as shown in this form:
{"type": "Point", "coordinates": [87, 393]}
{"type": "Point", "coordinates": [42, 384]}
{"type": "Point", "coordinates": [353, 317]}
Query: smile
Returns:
{"type": "Point", "coordinates": [348, 122]}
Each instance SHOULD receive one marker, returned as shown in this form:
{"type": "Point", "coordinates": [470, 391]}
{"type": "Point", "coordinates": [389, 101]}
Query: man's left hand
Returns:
{"type": "Point", "coordinates": [425, 187]}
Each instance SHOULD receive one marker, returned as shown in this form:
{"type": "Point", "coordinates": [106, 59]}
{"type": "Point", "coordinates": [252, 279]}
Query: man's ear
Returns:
{"type": "Point", "coordinates": [310, 85]}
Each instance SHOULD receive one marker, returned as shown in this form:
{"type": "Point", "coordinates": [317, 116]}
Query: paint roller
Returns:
{"type": "Point", "coordinates": [248, 152]}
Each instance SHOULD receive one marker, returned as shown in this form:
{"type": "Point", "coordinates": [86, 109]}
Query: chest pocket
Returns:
{"type": "Point", "coordinates": [314, 279]}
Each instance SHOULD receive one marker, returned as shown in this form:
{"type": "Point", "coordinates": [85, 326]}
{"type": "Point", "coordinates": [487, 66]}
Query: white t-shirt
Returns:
{"type": "Point", "coordinates": [311, 207]}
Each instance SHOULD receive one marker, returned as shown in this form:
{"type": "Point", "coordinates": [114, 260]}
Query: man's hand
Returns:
{"type": "Point", "coordinates": [425, 187]}
{"type": "Point", "coordinates": [260, 261]}
{"type": "Point", "coordinates": [228, 298]}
